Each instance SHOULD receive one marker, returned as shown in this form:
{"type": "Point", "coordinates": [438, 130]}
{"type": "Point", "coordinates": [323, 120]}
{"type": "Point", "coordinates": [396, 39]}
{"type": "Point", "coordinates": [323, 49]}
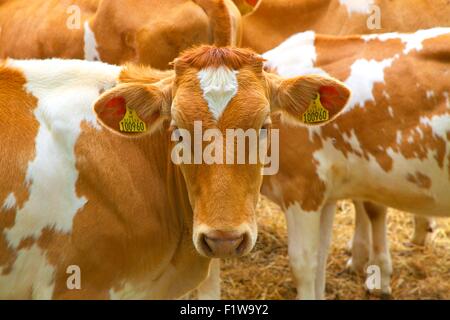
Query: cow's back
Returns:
{"type": "Point", "coordinates": [44, 29]}
{"type": "Point", "coordinates": [274, 21]}
{"type": "Point", "coordinates": [392, 143]}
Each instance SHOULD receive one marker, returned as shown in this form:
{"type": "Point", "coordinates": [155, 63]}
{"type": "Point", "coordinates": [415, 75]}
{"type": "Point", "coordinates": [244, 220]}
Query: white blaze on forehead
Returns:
{"type": "Point", "coordinates": [357, 6]}
{"type": "Point", "coordinates": [219, 86]}
{"type": "Point", "coordinates": [65, 90]}
{"type": "Point", "coordinates": [364, 75]}
{"type": "Point", "coordinates": [412, 41]}
{"type": "Point", "coordinates": [90, 44]}
{"type": "Point", "coordinates": [10, 202]}
{"type": "Point", "coordinates": [295, 56]}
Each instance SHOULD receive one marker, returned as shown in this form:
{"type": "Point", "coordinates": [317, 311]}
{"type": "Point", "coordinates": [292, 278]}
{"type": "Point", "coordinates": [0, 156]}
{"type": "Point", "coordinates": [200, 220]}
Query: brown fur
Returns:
{"type": "Point", "coordinates": [141, 31]}
{"type": "Point", "coordinates": [273, 21]}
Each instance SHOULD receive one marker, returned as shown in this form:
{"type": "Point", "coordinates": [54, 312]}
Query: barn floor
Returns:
{"type": "Point", "coordinates": [419, 272]}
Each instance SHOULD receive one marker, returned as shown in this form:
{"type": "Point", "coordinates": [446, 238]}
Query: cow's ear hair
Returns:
{"type": "Point", "coordinates": [133, 109]}
{"type": "Point", "coordinates": [310, 100]}
{"type": "Point", "coordinates": [247, 7]}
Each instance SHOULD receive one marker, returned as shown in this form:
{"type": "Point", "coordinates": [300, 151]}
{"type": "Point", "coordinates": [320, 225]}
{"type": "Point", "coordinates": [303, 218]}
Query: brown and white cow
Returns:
{"type": "Point", "coordinates": [115, 31]}
{"type": "Point", "coordinates": [391, 145]}
{"type": "Point", "coordinates": [89, 183]}
{"type": "Point", "coordinates": [273, 21]}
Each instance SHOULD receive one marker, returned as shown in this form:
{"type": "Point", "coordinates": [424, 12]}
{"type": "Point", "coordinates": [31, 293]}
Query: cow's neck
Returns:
{"type": "Point", "coordinates": [131, 185]}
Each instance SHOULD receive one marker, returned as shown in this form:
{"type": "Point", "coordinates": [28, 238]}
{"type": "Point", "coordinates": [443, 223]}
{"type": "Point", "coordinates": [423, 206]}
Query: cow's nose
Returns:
{"type": "Point", "coordinates": [224, 244]}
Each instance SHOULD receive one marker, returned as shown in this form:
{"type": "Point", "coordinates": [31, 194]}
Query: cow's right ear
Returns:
{"type": "Point", "coordinates": [310, 100]}
{"type": "Point", "coordinates": [133, 109]}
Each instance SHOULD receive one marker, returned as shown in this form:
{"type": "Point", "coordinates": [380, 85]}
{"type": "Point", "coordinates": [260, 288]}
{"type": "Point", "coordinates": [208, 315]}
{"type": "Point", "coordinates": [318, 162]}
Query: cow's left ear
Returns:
{"type": "Point", "coordinates": [133, 109]}
{"type": "Point", "coordinates": [311, 100]}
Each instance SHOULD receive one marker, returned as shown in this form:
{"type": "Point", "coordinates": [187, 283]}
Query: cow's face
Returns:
{"type": "Point", "coordinates": [157, 31]}
{"type": "Point", "coordinates": [216, 97]}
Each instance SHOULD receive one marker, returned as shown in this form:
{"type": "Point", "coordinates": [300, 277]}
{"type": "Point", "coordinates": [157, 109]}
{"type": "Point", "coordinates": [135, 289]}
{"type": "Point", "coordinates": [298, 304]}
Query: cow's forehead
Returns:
{"type": "Point", "coordinates": [213, 83]}
{"type": "Point", "coordinates": [221, 95]}
{"type": "Point", "coordinates": [219, 85]}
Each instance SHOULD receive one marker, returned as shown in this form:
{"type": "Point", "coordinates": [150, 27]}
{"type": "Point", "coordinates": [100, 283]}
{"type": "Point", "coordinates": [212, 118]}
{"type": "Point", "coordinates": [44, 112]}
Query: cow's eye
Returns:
{"type": "Point", "coordinates": [267, 123]}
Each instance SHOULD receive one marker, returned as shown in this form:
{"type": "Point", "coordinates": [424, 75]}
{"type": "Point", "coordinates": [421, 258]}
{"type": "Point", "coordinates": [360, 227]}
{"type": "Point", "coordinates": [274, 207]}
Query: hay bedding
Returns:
{"type": "Point", "coordinates": [419, 272]}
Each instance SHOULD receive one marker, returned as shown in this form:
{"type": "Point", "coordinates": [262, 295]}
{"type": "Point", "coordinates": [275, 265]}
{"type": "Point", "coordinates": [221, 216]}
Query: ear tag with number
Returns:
{"type": "Point", "coordinates": [132, 123]}
{"type": "Point", "coordinates": [315, 112]}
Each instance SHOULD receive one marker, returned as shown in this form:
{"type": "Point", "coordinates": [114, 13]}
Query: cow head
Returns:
{"type": "Point", "coordinates": [155, 32]}
{"type": "Point", "coordinates": [220, 89]}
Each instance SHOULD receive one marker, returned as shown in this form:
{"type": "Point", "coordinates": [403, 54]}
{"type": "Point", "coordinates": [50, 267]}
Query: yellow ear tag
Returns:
{"type": "Point", "coordinates": [132, 123]}
{"type": "Point", "coordinates": [315, 112]}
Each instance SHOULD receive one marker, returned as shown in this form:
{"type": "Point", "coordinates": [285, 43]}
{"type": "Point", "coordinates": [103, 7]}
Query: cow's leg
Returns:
{"type": "Point", "coordinates": [303, 247]}
{"type": "Point", "coordinates": [209, 289]}
{"type": "Point", "coordinates": [326, 228]}
{"type": "Point", "coordinates": [380, 253]}
{"type": "Point", "coordinates": [362, 240]}
{"type": "Point", "coordinates": [423, 226]}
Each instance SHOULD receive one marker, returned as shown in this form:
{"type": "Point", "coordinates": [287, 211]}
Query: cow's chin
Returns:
{"type": "Point", "coordinates": [229, 243]}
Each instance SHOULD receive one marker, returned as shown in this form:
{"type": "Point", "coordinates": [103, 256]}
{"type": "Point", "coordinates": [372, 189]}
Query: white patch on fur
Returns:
{"type": "Point", "coordinates": [447, 99]}
{"type": "Point", "coordinates": [10, 202]}
{"type": "Point", "coordinates": [129, 291]}
{"type": "Point", "coordinates": [66, 90]}
{"type": "Point", "coordinates": [430, 94]}
{"type": "Point", "coordinates": [31, 276]}
{"type": "Point", "coordinates": [312, 131]}
{"type": "Point", "coordinates": [295, 56]}
{"type": "Point", "coordinates": [440, 124]}
{"type": "Point", "coordinates": [358, 177]}
{"type": "Point", "coordinates": [364, 75]}
{"type": "Point", "coordinates": [219, 86]}
{"type": "Point", "coordinates": [412, 41]}
{"type": "Point", "coordinates": [399, 137]}
{"type": "Point", "coordinates": [420, 132]}
{"type": "Point", "coordinates": [90, 44]}
{"type": "Point", "coordinates": [357, 6]}
{"type": "Point", "coordinates": [303, 236]}
{"type": "Point", "coordinates": [353, 141]}
{"type": "Point", "coordinates": [209, 289]}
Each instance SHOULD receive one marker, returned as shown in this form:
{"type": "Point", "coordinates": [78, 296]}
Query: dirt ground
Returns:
{"type": "Point", "coordinates": [419, 272]}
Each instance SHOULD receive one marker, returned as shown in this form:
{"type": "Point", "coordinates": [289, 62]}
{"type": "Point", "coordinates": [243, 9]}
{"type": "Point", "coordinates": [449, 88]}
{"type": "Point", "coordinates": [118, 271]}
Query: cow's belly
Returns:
{"type": "Point", "coordinates": [420, 186]}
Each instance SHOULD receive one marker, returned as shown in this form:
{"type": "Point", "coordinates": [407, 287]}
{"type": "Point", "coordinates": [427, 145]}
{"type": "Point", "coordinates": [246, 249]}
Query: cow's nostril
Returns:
{"type": "Point", "coordinates": [244, 244]}
{"type": "Point", "coordinates": [220, 244]}
{"type": "Point", "coordinates": [205, 245]}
